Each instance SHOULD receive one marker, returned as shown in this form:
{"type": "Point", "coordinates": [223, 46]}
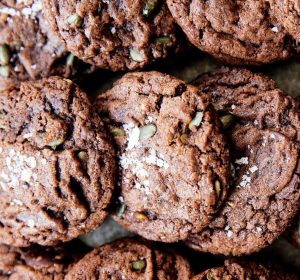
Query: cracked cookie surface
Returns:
{"type": "Point", "coordinates": [174, 158]}
{"type": "Point", "coordinates": [264, 136]}
{"type": "Point", "coordinates": [234, 31]}
{"type": "Point", "coordinates": [129, 259]}
{"type": "Point", "coordinates": [29, 50]}
{"type": "Point", "coordinates": [116, 35]}
{"type": "Point", "coordinates": [245, 270]}
{"type": "Point", "coordinates": [57, 165]}
{"type": "Point", "coordinates": [39, 263]}
{"type": "Point", "coordinates": [288, 14]}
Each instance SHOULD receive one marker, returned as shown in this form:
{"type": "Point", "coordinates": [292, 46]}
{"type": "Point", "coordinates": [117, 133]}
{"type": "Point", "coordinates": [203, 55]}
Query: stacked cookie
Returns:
{"type": "Point", "coordinates": [175, 179]}
{"type": "Point", "coordinates": [29, 49]}
{"type": "Point", "coordinates": [40, 38]}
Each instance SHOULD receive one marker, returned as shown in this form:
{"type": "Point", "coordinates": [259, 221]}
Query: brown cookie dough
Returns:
{"type": "Point", "coordinates": [116, 35]}
{"type": "Point", "coordinates": [264, 130]}
{"type": "Point", "coordinates": [57, 164]}
{"type": "Point", "coordinates": [38, 263]}
{"type": "Point", "coordinates": [287, 12]}
{"type": "Point", "coordinates": [28, 49]}
{"type": "Point", "coordinates": [173, 156]}
{"type": "Point", "coordinates": [128, 259]}
{"type": "Point", "coordinates": [234, 31]}
{"type": "Point", "coordinates": [245, 270]}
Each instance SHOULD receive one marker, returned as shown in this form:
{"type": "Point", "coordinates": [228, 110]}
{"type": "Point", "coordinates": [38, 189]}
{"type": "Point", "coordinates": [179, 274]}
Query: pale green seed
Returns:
{"type": "Point", "coordinates": [141, 216]}
{"type": "Point", "coordinates": [75, 20]}
{"type": "Point", "coordinates": [147, 131]}
{"type": "Point", "coordinates": [117, 132]}
{"type": "Point", "coordinates": [150, 7]}
{"type": "Point", "coordinates": [163, 40]}
{"type": "Point", "coordinates": [136, 56]}
{"type": "Point", "coordinates": [83, 157]}
{"type": "Point", "coordinates": [196, 121]}
{"type": "Point", "coordinates": [4, 71]}
{"type": "Point", "coordinates": [70, 60]}
{"type": "Point", "coordinates": [121, 210]}
{"type": "Point", "coordinates": [208, 276]}
{"type": "Point", "coordinates": [227, 121]}
{"type": "Point", "coordinates": [4, 55]}
{"type": "Point", "coordinates": [218, 188]}
{"type": "Point", "coordinates": [56, 142]}
{"type": "Point", "coordinates": [230, 203]}
{"type": "Point", "coordinates": [138, 265]}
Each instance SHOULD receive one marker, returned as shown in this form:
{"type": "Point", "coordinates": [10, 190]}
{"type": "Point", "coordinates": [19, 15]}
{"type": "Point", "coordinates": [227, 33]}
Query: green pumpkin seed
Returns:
{"type": "Point", "coordinates": [196, 121]}
{"type": "Point", "coordinates": [121, 209]}
{"type": "Point", "coordinates": [218, 188]}
{"type": "Point", "coordinates": [70, 60]}
{"type": "Point", "coordinates": [4, 55]}
{"type": "Point", "coordinates": [83, 156]}
{"type": "Point", "coordinates": [4, 71]}
{"type": "Point", "coordinates": [117, 132]}
{"type": "Point", "coordinates": [147, 131]}
{"type": "Point", "coordinates": [163, 40]}
{"type": "Point", "coordinates": [56, 142]}
{"type": "Point", "coordinates": [230, 203]}
{"type": "Point", "coordinates": [208, 276]}
{"type": "Point", "coordinates": [75, 20]}
{"type": "Point", "coordinates": [138, 265]}
{"type": "Point", "coordinates": [141, 216]}
{"type": "Point", "coordinates": [227, 121]}
{"type": "Point", "coordinates": [150, 7]}
{"type": "Point", "coordinates": [136, 56]}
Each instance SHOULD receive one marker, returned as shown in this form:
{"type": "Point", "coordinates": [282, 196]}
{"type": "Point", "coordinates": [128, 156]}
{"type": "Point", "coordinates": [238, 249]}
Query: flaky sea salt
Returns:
{"type": "Point", "coordinates": [31, 223]}
{"type": "Point", "coordinates": [149, 119]}
{"type": "Point", "coordinates": [153, 159]}
{"type": "Point", "coordinates": [253, 169]}
{"type": "Point", "coordinates": [245, 181]}
{"type": "Point", "coordinates": [242, 161]}
{"type": "Point", "coordinates": [29, 12]}
{"type": "Point", "coordinates": [229, 232]}
{"type": "Point", "coordinates": [259, 229]}
{"type": "Point", "coordinates": [133, 133]}
{"type": "Point", "coordinates": [17, 202]}
{"type": "Point", "coordinates": [20, 168]}
{"type": "Point", "coordinates": [113, 30]}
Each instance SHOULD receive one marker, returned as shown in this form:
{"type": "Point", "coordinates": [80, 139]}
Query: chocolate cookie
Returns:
{"type": "Point", "coordinates": [264, 130]}
{"type": "Point", "coordinates": [128, 259]}
{"type": "Point", "coordinates": [173, 156]}
{"type": "Point", "coordinates": [112, 34]}
{"type": "Point", "coordinates": [287, 13]}
{"type": "Point", "coordinates": [234, 31]}
{"type": "Point", "coordinates": [28, 48]}
{"type": "Point", "coordinates": [57, 164]}
{"type": "Point", "coordinates": [245, 270]}
{"type": "Point", "coordinates": [38, 263]}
